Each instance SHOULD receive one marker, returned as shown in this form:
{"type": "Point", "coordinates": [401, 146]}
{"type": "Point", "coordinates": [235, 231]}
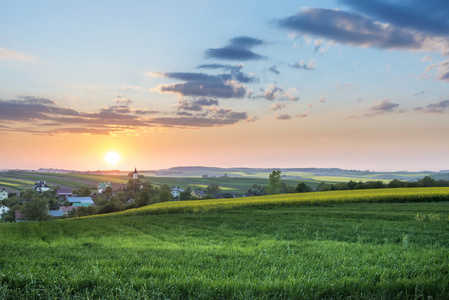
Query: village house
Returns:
{"type": "Point", "coordinates": [41, 186]}
{"type": "Point", "coordinates": [102, 187]}
{"type": "Point", "coordinates": [3, 210]}
{"type": "Point", "coordinates": [3, 194]}
{"type": "Point", "coordinates": [67, 209]}
{"type": "Point", "coordinates": [176, 191]}
{"type": "Point", "coordinates": [62, 194]}
{"type": "Point", "coordinates": [80, 201]}
{"type": "Point", "coordinates": [198, 194]}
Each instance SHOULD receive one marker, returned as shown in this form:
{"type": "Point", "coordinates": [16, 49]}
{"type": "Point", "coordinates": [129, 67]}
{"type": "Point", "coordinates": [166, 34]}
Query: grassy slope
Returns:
{"type": "Point", "coordinates": [364, 250]}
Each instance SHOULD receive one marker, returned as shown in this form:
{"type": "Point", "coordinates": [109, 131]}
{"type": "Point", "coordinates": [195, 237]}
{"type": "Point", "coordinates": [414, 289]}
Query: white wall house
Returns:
{"type": "Point", "coordinates": [176, 191]}
{"type": "Point", "coordinates": [3, 210]}
{"type": "Point", "coordinates": [3, 194]}
{"type": "Point", "coordinates": [135, 174]}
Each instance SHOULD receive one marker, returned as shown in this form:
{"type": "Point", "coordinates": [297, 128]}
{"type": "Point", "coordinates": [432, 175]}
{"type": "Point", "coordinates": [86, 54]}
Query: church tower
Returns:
{"type": "Point", "coordinates": [135, 174]}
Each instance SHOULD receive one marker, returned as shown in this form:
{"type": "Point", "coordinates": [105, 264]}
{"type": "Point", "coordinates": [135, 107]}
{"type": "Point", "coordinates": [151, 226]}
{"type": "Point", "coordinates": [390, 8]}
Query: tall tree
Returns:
{"type": "Point", "coordinates": [274, 183]}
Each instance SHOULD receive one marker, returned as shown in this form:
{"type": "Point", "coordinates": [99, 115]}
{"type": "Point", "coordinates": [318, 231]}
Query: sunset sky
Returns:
{"type": "Point", "coordinates": [348, 84]}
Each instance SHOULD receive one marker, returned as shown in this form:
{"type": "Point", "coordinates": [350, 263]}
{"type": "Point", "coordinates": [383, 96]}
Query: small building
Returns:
{"type": "Point", "coordinates": [41, 186]}
{"type": "Point", "coordinates": [56, 213]}
{"type": "Point", "coordinates": [3, 194]}
{"type": "Point", "coordinates": [62, 194]}
{"type": "Point", "coordinates": [198, 194]}
{"type": "Point", "coordinates": [176, 191]}
{"type": "Point", "coordinates": [102, 187]}
{"type": "Point", "coordinates": [80, 201]}
{"type": "Point", "coordinates": [135, 174]}
{"type": "Point", "coordinates": [3, 210]}
{"type": "Point", "coordinates": [19, 216]}
{"type": "Point", "coordinates": [67, 209]}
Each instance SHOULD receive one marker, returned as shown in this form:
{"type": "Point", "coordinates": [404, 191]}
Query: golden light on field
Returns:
{"type": "Point", "coordinates": [112, 157]}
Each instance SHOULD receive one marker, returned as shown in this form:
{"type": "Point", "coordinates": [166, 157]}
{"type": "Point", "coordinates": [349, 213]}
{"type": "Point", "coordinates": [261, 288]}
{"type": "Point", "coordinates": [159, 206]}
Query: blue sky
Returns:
{"type": "Point", "coordinates": [349, 84]}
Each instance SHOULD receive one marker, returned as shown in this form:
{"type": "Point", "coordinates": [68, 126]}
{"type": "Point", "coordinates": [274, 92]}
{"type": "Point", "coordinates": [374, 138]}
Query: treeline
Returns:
{"type": "Point", "coordinates": [378, 184]}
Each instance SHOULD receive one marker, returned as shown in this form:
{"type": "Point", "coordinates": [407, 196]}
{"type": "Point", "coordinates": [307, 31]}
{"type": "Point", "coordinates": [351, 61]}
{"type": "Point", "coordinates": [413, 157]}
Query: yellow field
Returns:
{"type": "Point", "coordinates": [314, 198]}
{"type": "Point", "coordinates": [204, 186]}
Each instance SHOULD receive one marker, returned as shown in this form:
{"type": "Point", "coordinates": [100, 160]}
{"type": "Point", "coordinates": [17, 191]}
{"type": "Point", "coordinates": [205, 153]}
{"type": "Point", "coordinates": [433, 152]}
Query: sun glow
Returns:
{"type": "Point", "coordinates": [112, 157]}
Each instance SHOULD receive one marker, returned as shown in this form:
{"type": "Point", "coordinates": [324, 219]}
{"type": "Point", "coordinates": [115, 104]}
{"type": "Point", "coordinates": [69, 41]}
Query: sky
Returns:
{"type": "Point", "coordinates": [276, 84]}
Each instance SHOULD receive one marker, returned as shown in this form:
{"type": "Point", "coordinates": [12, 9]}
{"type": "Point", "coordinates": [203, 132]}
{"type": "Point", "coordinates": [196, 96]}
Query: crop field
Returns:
{"type": "Point", "coordinates": [286, 250]}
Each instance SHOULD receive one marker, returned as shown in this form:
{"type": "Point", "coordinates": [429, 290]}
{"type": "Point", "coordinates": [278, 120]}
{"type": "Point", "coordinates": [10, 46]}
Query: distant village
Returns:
{"type": "Point", "coordinates": [66, 202]}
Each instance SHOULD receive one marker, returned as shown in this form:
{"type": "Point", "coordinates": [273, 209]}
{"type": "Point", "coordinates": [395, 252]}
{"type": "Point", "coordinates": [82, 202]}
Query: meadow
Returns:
{"type": "Point", "coordinates": [348, 247]}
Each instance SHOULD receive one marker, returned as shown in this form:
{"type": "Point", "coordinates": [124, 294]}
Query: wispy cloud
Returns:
{"type": "Point", "coordinates": [13, 55]}
{"type": "Point", "coordinates": [283, 117]}
{"type": "Point", "coordinates": [304, 66]}
{"type": "Point", "coordinates": [438, 107]}
{"type": "Point", "coordinates": [278, 106]}
{"type": "Point", "coordinates": [384, 107]}
{"type": "Point", "coordinates": [441, 69]}
{"type": "Point", "coordinates": [274, 69]}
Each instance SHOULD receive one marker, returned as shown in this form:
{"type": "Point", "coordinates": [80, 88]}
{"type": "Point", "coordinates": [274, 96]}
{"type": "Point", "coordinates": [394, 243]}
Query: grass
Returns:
{"type": "Point", "coordinates": [356, 250]}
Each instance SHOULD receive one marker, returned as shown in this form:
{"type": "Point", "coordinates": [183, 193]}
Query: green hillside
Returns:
{"type": "Point", "coordinates": [289, 250]}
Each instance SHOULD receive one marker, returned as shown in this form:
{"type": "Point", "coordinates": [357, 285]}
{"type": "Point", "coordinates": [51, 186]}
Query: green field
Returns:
{"type": "Point", "coordinates": [278, 248]}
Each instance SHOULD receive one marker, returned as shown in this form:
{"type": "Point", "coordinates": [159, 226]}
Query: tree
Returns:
{"type": "Point", "coordinates": [84, 191]}
{"type": "Point", "coordinates": [303, 188]}
{"type": "Point", "coordinates": [134, 185]}
{"type": "Point", "coordinates": [274, 182]}
{"type": "Point", "coordinates": [164, 196]}
{"type": "Point", "coordinates": [185, 195]}
{"type": "Point", "coordinates": [212, 189]}
{"type": "Point", "coordinates": [36, 209]}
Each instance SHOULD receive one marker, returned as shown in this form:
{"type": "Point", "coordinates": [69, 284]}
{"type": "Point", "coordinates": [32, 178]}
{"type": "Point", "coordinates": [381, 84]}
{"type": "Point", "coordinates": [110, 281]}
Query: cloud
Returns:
{"type": "Point", "coordinates": [430, 16]}
{"type": "Point", "coordinates": [442, 70]}
{"type": "Point", "coordinates": [304, 115]}
{"type": "Point", "coordinates": [12, 55]}
{"type": "Point", "coordinates": [235, 72]}
{"type": "Point", "coordinates": [304, 66]}
{"type": "Point", "coordinates": [358, 30]}
{"type": "Point", "coordinates": [340, 87]}
{"type": "Point", "coordinates": [278, 106]}
{"type": "Point", "coordinates": [41, 115]}
{"type": "Point", "coordinates": [202, 85]}
{"type": "Point", "coordinates": [274, 69]}
{"type": "Point", "coordinates": [237, 49]}
{"type": "Point", "coordinates": [283, 117]}
{"type": "Point", "coordinates": [273, 92]}
{"type": "Point", "coordinates": [195, 105]}
{"type": "Point", "coordinates": [384, 107]}
{"type": "Point", "coordinates": [120, 99]}
{"type": "Point", "coordinates": [439, 107]}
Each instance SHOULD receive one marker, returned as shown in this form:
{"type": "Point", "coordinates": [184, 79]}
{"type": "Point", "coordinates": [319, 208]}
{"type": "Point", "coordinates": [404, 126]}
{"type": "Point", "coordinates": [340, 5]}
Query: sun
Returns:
{"type": "Point", "coordinates": [112, 157]}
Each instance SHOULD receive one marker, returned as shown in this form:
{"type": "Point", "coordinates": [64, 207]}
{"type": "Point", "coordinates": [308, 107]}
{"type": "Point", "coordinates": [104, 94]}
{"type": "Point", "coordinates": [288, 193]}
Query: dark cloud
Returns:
{"type": "Point", "coordinates": [355, 29]}
{"type": "Point", "coordinates": [384, 107]}
{"type": "Point", "coordinates": [196, 105]}
{"type": "Point", "coordinates": [274, 69]}
{"type": "Point", "coordinates": [304, 66]}
{"type": "Point", "coordinates": [203, 85]}
{"type": "Point", "coordinates": [439, 107]}
{"type": "Point", "coordinates": [283, 117]}
{"type": "Point", "coordinates": [41, 116]}
{"type": "Point", "coordinates": [237, 49]}
{"type": "Point", "coordinates": [245, 42]}
{"type": "Point", "coordinates": [31, 109]}
{"type": "Point", "coordinates": [429, 16]}
{"type": "Point", "coordinates": [235, 72]}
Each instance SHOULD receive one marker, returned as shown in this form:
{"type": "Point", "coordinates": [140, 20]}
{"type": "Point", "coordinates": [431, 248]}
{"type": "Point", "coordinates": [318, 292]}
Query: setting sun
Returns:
{"type": "Point", "coordinates": [112, 157]}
